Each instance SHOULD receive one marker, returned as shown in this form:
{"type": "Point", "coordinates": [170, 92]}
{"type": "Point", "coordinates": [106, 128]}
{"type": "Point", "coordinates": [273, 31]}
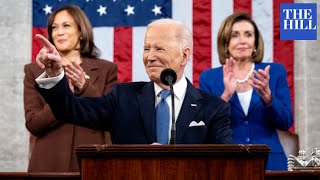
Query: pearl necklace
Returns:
{"type": "Point", "coordinates": [248, 75]}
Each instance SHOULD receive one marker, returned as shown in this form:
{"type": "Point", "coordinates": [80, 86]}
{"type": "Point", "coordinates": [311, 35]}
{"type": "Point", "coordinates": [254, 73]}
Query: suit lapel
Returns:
{"type": "Point", "coordinates": [147, 105]}
{"type": "Point", "coordinates": [236, 103]}
{"type": "Point", "coordinates": [255, 98]}
{"type": "Point", "coordinates": [89, 66]}
{"type": "Point", "coordinates": [189, 109]}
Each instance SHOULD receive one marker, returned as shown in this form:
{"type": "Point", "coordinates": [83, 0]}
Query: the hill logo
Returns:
{"type": "Point", "coordinates": [298, 21]}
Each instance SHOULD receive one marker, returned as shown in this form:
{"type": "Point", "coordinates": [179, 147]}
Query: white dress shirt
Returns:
{"type": "Point", "coordinates": [245, 98]}
{"type": "Point", "coordinates": [48, 82]}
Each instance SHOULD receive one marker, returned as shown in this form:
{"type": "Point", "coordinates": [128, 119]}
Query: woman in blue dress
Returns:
{"type": "Point", "coordinates": [258, 92]}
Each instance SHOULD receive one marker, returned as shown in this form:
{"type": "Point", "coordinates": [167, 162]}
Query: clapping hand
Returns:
{"type": "Point", "coordinates": [229, 80]}
{"type": "Point", "coordinates": [260, 82]}
{"type": "Point", "coordinates": [75, 74]}
{"type": "Point", "coordinates": [48, 57]}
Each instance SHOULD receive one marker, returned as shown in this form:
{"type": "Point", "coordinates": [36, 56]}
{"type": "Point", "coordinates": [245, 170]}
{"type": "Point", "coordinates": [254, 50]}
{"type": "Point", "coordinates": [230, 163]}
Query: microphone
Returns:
{"type": "Point", "coordinates": [169, 77]}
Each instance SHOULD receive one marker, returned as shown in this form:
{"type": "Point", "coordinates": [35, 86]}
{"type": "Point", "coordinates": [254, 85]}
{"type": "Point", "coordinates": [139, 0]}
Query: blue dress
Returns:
{"type": "Point", "coordinates": [260, 125]}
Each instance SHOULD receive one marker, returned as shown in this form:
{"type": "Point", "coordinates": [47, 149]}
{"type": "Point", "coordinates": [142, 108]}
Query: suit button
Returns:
{"type": "Point", "coordinates": [248, 139]}
{"type": "Point", "coordinates": [245, 123]}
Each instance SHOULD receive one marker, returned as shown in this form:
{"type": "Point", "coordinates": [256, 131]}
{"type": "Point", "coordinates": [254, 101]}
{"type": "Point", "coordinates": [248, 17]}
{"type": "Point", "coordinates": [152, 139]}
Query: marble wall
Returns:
{"type": "Point", "coordinates": [307, 87]}
{"type": "Point", "coordinates": [15, 49]}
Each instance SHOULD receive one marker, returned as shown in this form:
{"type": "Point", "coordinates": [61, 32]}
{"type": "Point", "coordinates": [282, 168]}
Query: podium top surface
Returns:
{"type": "Point", "coordinates": [176, 150]}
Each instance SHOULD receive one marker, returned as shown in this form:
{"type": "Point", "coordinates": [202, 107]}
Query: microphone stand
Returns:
{"type": "Point", "coordinates": [173, 121]}
{"type": "Point", "coordinates": [168, 77]}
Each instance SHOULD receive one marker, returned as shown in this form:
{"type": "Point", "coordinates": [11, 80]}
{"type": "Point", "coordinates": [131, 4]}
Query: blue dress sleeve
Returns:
{"type": "Point", "coordinates": [280, 111]}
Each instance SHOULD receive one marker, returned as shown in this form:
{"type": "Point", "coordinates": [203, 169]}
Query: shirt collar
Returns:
{"type": "Point", "coordinates": [179, 88]}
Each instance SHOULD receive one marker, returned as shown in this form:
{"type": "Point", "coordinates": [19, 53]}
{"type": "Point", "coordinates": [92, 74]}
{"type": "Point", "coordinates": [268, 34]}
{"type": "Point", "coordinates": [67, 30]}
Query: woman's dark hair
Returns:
{"type": "Point", "coordinates": [87, 46]}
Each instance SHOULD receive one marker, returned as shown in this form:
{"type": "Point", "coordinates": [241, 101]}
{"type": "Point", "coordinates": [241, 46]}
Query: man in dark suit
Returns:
{"type": "Point", "coordinates": [128, 112]}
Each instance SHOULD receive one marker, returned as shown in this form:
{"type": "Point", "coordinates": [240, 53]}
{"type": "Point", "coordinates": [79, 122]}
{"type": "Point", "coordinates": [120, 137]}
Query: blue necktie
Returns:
{"type": "Point", "coordinates": [163, 118]}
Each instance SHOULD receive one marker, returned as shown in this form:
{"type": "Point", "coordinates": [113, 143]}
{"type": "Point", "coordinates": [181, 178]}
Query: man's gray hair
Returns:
{"type": "Point", "coordinates": [184, 38]}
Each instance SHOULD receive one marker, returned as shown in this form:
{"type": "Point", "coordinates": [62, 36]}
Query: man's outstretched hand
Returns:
{"type": "Point", "coordinates": [48, 57]}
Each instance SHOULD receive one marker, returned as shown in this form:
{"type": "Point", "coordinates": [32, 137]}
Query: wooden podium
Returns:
{"type": "Point", "coordinates": [179, 162]}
